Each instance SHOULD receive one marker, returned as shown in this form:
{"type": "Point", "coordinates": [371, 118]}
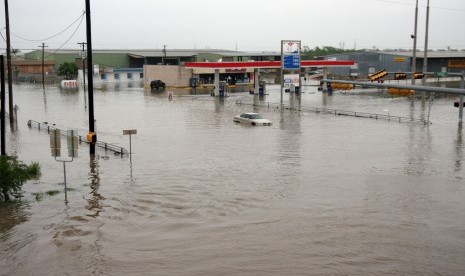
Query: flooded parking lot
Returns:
{"type": "Point", "coordinates": [313, 194]}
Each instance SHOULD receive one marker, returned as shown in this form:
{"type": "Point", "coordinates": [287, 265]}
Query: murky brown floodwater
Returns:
{"type": "Point", "coordinates": [314, 194]}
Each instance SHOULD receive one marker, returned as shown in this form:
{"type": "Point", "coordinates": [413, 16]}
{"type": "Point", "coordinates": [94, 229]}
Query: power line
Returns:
{"type": "Point", "coordinates": [53, 36]}
{"type": "Point", "coordinates": [82, 17]}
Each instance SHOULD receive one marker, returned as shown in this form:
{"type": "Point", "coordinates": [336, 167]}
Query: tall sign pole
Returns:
{"type": "Point", "coordinates": [92, 136]}
{"type": "Point", "coordinates": [282, 72]}
{"type": "Point", "coordinates": [290, 60]}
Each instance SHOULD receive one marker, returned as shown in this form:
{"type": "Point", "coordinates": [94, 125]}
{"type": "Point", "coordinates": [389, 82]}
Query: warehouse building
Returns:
{"type": "Point", "coordinates": [368, 62]}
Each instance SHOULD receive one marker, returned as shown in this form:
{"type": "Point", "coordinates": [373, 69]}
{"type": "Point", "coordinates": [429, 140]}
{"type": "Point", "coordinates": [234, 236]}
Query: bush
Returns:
{"type": "Point", "coordinates": [68, 69]}
{"type": "Point", "coordinates": [13, 174]}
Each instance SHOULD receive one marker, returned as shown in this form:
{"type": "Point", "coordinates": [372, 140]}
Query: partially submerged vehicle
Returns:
{"type": "Point", "coordinates": [254, 119]}
{"type": "Point", "coordinates": [157, 84]}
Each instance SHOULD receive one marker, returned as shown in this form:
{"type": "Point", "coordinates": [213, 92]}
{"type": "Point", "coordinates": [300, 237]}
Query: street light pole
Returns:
{"type": "Point", "coordinates": [414, 58]}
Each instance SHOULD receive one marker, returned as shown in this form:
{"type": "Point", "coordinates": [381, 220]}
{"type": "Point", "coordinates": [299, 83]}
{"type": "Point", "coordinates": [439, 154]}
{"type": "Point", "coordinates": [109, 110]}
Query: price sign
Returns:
{"type": "Point", "coordinates": [290, 54]}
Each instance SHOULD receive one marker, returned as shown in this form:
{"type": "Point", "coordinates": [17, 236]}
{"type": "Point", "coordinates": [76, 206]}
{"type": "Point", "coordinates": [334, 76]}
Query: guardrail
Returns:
{"type": "Point", "coordinates": [107, 146]}
{"type": "Point", "coordinates": [336, 112]}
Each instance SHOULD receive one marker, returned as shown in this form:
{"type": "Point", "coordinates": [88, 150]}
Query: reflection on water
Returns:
{"type": "Point", "coordinates": [203, 195]}
{"type": "Point", "coordinates": [12, 214]}
{"type": "Point", "coordinates": [94, 203]}
{"type": "Point", "coordinates": [459, 149]}
{"type": "Point", "coordinates": [419, 147]}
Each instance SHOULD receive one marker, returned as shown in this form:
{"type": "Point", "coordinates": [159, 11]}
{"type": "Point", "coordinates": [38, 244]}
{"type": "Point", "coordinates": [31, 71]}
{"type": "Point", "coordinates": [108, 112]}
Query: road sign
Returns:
{"type": "Point", "coordinates": [400, 76]}
{"type": "Point", "coordinates": [129, 131]}
{"type": "Point", "coordinates": [378, 75]}
{"type": "Point", "coordinates": [399, 59]}
{"type": "Point", "coordinates": [418, 75]}
{"type": "Point", "coordinates": [440, 74]}
{"type": "Point", "coordinates": [72, 141]}
{"type": "Point", "coordinates": [55, 142]}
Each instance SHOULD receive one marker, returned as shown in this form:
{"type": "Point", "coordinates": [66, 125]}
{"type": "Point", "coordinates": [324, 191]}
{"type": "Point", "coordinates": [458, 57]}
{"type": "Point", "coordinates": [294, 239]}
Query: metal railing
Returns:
{"type": "Point", "coordinates": [107, 146]}
{"type": "Point", "coordinates": [376, 116]}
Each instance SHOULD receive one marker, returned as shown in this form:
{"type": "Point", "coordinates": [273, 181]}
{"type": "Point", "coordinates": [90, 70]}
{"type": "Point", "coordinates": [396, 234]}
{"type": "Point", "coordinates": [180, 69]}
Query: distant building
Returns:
{"type": "Point", "coordinates": [369, 62]}
{"type": "Point", "coordinates": [30, 70]}
{"type": "Point", "coordinates": [128, 65]}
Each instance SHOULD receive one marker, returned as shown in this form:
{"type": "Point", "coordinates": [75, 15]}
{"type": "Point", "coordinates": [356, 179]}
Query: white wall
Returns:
{"type": "Point", "coordinates": [171, 75]}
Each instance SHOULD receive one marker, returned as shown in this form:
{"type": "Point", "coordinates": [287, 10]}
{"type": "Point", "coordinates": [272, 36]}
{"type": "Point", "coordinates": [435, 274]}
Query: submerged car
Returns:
{"type": "Point", "coordinates": [157, 84]}
{"type": "Point", "coordinates": [254, 119]}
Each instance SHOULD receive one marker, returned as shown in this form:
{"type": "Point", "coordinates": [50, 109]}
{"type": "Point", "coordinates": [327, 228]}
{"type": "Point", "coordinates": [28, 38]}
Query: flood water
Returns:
{"type": "Point", "coordinates": [313, 194]}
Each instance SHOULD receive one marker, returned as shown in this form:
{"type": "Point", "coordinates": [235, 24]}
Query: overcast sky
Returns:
{"type": "Point", "coordinates": [245, 25]}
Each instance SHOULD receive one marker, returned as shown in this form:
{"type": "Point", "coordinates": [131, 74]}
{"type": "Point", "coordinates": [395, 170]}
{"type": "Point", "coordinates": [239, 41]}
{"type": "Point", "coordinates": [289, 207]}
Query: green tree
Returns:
{"type": "Point", "coordinates": [68, 69]}
{"type": "Point", "coordinates": [13, 174]}
{"type": "Point", "coordinates": [308, 53]}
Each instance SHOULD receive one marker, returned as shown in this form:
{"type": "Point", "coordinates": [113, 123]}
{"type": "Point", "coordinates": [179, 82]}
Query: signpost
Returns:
{"type": "Point", "coordinates": [290, 60]}
{"type": "Point", "coordinates": [130, 132]}
{"type": "Point", "coordinates": [55, 146]}
{"type": "Point", "coordinates": [440, 74]}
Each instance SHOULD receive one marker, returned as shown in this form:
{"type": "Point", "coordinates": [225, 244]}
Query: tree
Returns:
{"type": "Point", "coordinates": [308, 53]}
{"type": "Point", "coordinates": [13, 174]}
{"type": "Point", "coordinates": [68, 69]}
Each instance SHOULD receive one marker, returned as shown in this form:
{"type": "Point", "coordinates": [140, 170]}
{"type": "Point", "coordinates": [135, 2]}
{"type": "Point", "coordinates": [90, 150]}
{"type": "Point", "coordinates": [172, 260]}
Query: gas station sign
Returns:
{"type": "Point", "coordinates": [290, 54]}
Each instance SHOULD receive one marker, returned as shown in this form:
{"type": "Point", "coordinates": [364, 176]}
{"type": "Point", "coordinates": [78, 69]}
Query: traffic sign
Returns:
{"type": "Point", "coordinates": [378, 75]}
{"type": "Point", "coordinates": [440, 74]}
{"type": "Point", "coordinates": [129, 131]}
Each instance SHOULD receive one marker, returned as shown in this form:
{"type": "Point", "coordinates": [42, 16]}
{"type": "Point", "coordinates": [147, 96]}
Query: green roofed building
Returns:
{"type": "Point", "coordinates": [107, 62]}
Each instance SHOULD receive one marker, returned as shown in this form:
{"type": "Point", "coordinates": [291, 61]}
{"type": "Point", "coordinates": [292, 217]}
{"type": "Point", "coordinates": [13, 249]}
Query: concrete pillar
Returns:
{"type": "Point", "coordinates": [216, 82]}
{"type": "Point", "coordinates": [462, 85]}
{"type": "Point", "coordinates": [325, 76]}
{"type": "Point", "coordinates": [256, 80]}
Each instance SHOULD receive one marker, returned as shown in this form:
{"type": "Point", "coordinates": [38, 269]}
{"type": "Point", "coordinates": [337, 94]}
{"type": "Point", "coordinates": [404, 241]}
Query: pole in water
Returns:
{"type": "Point", "coordinates": [462, 85]}
{"type": "Point", "coordinates": [130, 132]}
{"type": "Point", "coordinates": [43, 65]}
{"type": "Point", "coordinates": [66, 190]}
{"type": "Point", "coordinates": [90, 79]}
{"type": "Point", "coordinates": [2, 108]}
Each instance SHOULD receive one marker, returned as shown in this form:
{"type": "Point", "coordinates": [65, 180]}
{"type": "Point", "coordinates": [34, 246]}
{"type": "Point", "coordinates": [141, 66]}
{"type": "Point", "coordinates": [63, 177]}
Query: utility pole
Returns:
{"type": "Point", "coordinates": [83, 64]}
{"type": "Point", "coordinates": [43, 70]}
{"type": "Point", "coordinates": [2, 108]}
{"type": "Point", "coordinates": [425, 59]}
{"type": "Point", "coordinates": [414, 36]}
{"type": "Point", "coordinates": [8, 62]}
{"type": "Point", "coordinates": [92, 135]}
